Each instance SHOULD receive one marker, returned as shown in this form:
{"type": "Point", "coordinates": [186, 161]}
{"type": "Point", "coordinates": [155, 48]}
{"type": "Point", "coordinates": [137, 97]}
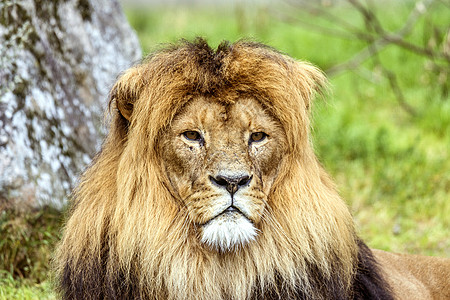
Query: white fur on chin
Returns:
{"type": "Point", "coordinates": [228, 231]}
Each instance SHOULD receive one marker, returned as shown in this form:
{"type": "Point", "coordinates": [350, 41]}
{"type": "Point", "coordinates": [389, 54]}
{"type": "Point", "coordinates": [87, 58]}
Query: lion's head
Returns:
{"type": "Point", "coordinates": [207, 185]}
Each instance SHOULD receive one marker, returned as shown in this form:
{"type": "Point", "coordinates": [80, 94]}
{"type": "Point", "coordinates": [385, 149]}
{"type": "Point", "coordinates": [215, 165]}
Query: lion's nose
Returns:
{"type": "Point", "coordinates": [231, 183]}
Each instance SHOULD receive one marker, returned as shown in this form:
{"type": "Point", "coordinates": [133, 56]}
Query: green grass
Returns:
{"type": "Point", "coordinates": [26, 246]}
{"type": "Point", "coordinates": [11, 288]}
{"type": "Point", "coordinates": [391, 168]}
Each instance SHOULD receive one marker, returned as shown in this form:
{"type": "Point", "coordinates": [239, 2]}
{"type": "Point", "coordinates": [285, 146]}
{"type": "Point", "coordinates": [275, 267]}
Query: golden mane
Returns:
{"type": "Point", "coordinates": [126, 235]}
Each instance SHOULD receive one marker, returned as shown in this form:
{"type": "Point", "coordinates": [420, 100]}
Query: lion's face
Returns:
{"type": "Point", "coordinates": [221, 161]}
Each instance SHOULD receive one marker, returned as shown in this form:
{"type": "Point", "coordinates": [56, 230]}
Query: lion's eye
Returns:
{"type": "Point", "coordinates": [257, 136]}
{"type": "Point", "coordinates": [192, 135]}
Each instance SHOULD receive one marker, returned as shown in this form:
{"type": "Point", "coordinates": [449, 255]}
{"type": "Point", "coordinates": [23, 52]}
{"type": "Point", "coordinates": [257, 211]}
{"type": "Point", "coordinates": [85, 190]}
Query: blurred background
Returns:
{"type": "Point", "coordinates": [383, 131]}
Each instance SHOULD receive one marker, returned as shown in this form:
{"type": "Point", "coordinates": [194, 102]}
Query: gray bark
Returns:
{"type": "Point", "coordinates": [58, 60]}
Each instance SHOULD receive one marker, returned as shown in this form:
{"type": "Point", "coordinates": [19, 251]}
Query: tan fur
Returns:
{"type": "Point", "coordinates": [129, 203]}
{"type": "Point", "coordinates": [415, 277]}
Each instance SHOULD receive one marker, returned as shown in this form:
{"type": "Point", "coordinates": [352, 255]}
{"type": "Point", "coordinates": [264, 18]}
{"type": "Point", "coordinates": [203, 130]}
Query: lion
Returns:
{"type": "Point", "coordinates": [207, 187]}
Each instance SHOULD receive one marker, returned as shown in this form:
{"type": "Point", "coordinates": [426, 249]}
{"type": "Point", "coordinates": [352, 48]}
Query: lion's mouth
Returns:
{"type": "Point", "coordinates": [231, 211]}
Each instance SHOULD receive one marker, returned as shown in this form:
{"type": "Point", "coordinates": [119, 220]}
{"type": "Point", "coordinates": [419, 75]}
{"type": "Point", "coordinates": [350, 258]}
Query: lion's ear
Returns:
{"type": "Point", "coordinates": [310, 80]}
{"type": "Point", "coordinates": [126, 91]}
{"type": "Point", "coordinates": [125, 109]}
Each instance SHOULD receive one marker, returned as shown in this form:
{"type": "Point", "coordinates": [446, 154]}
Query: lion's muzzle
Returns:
{"type": "Point", "coordinates": [231, 183]}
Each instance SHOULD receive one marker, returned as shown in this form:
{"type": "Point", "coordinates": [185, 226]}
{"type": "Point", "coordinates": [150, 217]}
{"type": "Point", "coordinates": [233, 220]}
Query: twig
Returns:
{"type": "Point", "coordinates": [385, 40]}
{"type": "Point", "coordinates": [314, 7]}
{"type": "Point", "coordinates": [318, 28]}
{"type": "Point", "coordinates": [372, 23]}
{"type": "Point", "coordinates": [340, 28]}
{"type": "Point", "coordinates": [393, 82]}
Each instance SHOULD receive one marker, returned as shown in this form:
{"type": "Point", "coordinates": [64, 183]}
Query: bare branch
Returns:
{"type": "Point", "coordinates": [392, 78]}
{"type": "Point", "coordinates": [394, 39]}
{"type": "Point", "coordinates": [386, 39]}
{"type": "Point", "coordinates": [435, 49]}
{"type": "Point", "coordinates": [318, 28]}
{"type": "Point", "coordinates": [315, 8]}
{"type": "Point", "coordinates": [340, 28]}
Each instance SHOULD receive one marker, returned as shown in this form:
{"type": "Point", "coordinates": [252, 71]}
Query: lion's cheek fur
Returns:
{"type": "Point", "coordinates": [318, 207]}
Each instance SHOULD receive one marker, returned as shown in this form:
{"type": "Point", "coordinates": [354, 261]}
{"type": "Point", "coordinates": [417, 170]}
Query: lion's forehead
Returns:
{"type": "Point", "coordinates": [213, 116]}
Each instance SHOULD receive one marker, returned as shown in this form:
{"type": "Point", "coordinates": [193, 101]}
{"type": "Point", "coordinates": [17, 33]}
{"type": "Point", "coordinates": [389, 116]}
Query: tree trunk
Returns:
{"type": "Point", "coordinates": [58, 60]}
